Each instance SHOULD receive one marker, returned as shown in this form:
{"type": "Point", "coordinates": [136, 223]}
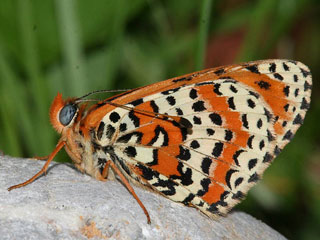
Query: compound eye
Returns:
{"type": "Point", "coordinates": [67, 114]}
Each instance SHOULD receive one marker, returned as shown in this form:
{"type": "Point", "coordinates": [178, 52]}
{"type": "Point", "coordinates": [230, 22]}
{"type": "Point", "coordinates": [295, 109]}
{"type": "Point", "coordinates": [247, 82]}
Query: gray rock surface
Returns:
{"type": "Point", "coordinates": [66, 204]}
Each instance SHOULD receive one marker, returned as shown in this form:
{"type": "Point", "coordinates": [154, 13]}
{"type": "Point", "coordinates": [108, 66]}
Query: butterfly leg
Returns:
{"type": "Point", "coordinates": [44, 168]}
{"type": "Point", "coordinates": [105, 171]}
{"type": "Point", "coordinates": [127, 184]}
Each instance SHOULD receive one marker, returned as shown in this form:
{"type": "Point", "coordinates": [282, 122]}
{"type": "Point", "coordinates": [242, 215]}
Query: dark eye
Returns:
{"type": "Point", "coordinates": [67, 113]}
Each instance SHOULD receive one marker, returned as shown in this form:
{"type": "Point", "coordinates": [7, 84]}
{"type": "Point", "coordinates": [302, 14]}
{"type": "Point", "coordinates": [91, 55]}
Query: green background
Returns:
{"type": "Point", "coordinates": [75, 47]}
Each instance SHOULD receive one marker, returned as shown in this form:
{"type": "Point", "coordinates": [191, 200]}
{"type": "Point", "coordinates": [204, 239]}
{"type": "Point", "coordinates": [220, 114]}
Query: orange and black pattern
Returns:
{"type": "Point", "coordinates": [202, 139]}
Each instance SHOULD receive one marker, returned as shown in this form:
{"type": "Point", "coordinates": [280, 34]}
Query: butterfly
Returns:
{"type": "Point", "coordinates": [202, 139]}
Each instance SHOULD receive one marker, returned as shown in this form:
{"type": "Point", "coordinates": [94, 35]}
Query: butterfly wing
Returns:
{"type": "Point", "coordinates": [241, 117]}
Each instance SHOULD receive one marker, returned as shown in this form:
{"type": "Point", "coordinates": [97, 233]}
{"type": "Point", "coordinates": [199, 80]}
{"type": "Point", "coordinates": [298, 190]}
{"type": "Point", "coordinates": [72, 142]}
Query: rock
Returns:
{"type": "Point", "coordinates": [65, 204]}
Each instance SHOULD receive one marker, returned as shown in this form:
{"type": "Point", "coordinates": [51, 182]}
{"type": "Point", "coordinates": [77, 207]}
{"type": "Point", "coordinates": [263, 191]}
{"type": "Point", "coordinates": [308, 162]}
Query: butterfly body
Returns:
{"type": "Point", "coordinates": [202, 139]}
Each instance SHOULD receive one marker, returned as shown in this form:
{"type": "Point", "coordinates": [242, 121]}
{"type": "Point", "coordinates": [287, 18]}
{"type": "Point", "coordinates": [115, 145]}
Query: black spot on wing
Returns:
{"type": "Point", "coordinates": [254, 178]}
{"type": "Point", "coordinates": [200, 204]}
{"type": "Point", "coordinates": [185, 123]}
{"type": "Point", "coordinates": [252, 163]}
{"type": "Point", "coordinates": [233, 89]}
{"type": "Point", "coordinates": [228, 79]}
{"type": "Point", "coordinates": [268, 114]}
{"type": "Point", "coordinates": [203, 83]}
{"type": "Point", "coordinates": [185, 175]}
{"type": "Point", "coordinates": [228, 135]}
{"type": "Point", "coordinates": [253, 68]}
{"type": "Point", "coordinates": [270, 136]}
{"type": "Point", "coordinates": [184, 153]}
{"type": "Point", "coordinates": [100, 130]}
{"type": "Point", "coordinates": [231, 103]}
{"type": "Point", "coordinates": [130, 151]}
{"type": "Point", "coordinates": [228, 177]}
{"type": "Point", "coordinates": [217, 150]}
{"type": "Point", "coordinates": [197, 120]}
{"type": "Point", "coordinates": [198, 106]}
{"type": "Point", "coordinates": [286, 91]}
{"type": "Point", "coordinates": [188, 78]}
{"type": "Point", "coordinates": [286, 107]}
{"type": "Point", "coordinates": [305, 104]}
{"type": "Point", "coordinates": [184, 133]}
{"type": "Point", "coordinates": [168, 185]}
{"type": "Point", "coordinates": [154, 158]}
{"type": "Point", "coordinates": [205, 187]}
{"type": "Point", "coordinates": [245, 122]}
{"type": "Point", "coordinates": [147, 173]}
{"type": "Point", "coordinates": [127, 137]}
{"type": "Point", "coordinates": [261, 145]}
{"type": "Point", "coordinates": [219, 71]}
{"type": "Point", "coordinates": [278, 76]}
{"type": "Point", "coordinates": [114, 117]}
{"type": "Point", "coordinates": [267, 157]}
{"type": "Point", "coordinates": [238, 195]}
{"type": "Point", "coordinates": [215, 119]}
{"type": "Point", "coordinates": [263, 84]}
{"type": "Point", "coordinates": [236, 155]}
{"type": "Point", "coordinates": [179, 112]}
{"type": "Point", "coordinates": [136, 102]}
{"type": "Point", "coordinates": [205, 165]}
{"type": "Point", "coordinates": [154, 106]}
{"type": "Point", "coordinates": [272, 67]}
{"type": "Point", "coordinates": [214, 209]}
{"type": "Point", "coordinates": [210, 131]}
{"type": "Point", "coordinates": [288, 135]}
{"type": "Point", "coordinates": [298, 120]}
{"type": "Point", "coordinates": [285, 66]}
{"type": "Point", "coordinates": [188, 199]}
{"type": "Point", "coordinates": [251, 103]}
{"type": "Point", "coordinates": [135, 120]}
{"type": "Point", "coordinates": [249, 141]}
{"type": "Point", "coordinates": [214, 206]}
{"type": "Point", "coordinates": [307, 86]}
{"type": "Point", "coordinates": [159, 132]}
{"type": "Point", "coordinates": [259, 123]}
{"type": "Point", "coordinates": [255, 94]}
{"type": "Point", "coordinates": [193, 94]}
{"type": "Point", "coordinates": [123, 127]}
{"type": "Point", "coordinates": [110, 131]}
{"type": "Point", "coordinates": [304, 72]}
{"type": "Point", "coordinates": [238, 181]}
{"type": "Point", "coordinates": [171, 100]}
{"type": "Point", "coordinates": [194, 144]}
{"type": "Point", "coordinates": [216, 89]}
{"type": "Point", "coordinates": [277, 151]}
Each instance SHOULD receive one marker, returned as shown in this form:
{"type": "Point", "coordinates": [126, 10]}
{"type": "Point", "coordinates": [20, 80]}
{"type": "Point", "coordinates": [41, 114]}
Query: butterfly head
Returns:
{"type": "Point", "coordinates": [63, 113]}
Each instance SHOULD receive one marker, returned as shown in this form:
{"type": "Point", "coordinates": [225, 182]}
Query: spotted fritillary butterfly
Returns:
{"type": "Point", "coordinates": [202, 139]}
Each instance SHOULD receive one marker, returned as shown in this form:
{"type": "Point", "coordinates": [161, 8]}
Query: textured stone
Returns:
{"type": "Point", "coordinates": [65, 204]}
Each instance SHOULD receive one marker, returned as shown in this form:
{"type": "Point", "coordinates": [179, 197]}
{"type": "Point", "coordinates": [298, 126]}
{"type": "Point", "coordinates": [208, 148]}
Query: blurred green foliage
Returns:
{"type": "Point", "coordinates": [75, 47]}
